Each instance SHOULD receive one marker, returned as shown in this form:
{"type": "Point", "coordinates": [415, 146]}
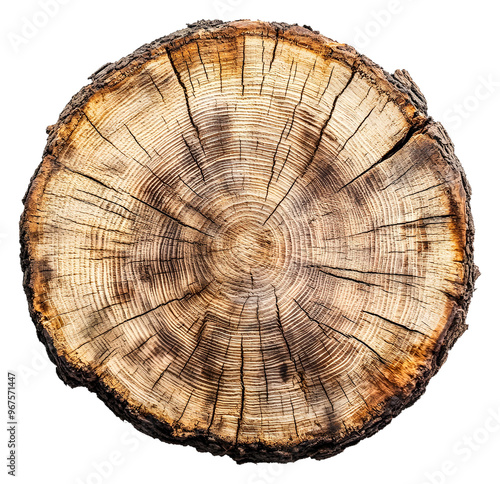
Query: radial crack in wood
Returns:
{"type": "Point", "coordinates": [248, 238]}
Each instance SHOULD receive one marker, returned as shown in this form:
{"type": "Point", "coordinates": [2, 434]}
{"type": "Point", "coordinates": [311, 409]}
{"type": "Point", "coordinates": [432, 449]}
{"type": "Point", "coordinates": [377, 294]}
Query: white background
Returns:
{"type": "Point", "coordinates": [451, 50]}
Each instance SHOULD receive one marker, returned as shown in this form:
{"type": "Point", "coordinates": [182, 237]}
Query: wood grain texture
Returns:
{"type": "Point", "coordinates": [248, 238]}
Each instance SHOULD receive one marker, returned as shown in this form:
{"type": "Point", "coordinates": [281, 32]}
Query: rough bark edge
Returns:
{"type": "Point", "coordinates": [318, 448]}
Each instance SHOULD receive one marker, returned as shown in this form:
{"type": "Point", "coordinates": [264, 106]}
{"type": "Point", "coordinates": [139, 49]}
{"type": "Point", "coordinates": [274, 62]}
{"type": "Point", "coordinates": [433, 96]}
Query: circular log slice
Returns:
{"type": "Point", "coordinates": [251, 239]}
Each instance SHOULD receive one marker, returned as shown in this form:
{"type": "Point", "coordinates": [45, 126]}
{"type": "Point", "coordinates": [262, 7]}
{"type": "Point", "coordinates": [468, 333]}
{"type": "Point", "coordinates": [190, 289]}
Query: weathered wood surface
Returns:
{"type": "Point", "coordinates": [251, 239]}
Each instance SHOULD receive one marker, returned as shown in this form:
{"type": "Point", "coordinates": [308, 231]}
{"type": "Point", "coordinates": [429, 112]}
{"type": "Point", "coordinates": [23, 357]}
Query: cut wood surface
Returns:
{"type": "Point", "coordinates": [249, 238]}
